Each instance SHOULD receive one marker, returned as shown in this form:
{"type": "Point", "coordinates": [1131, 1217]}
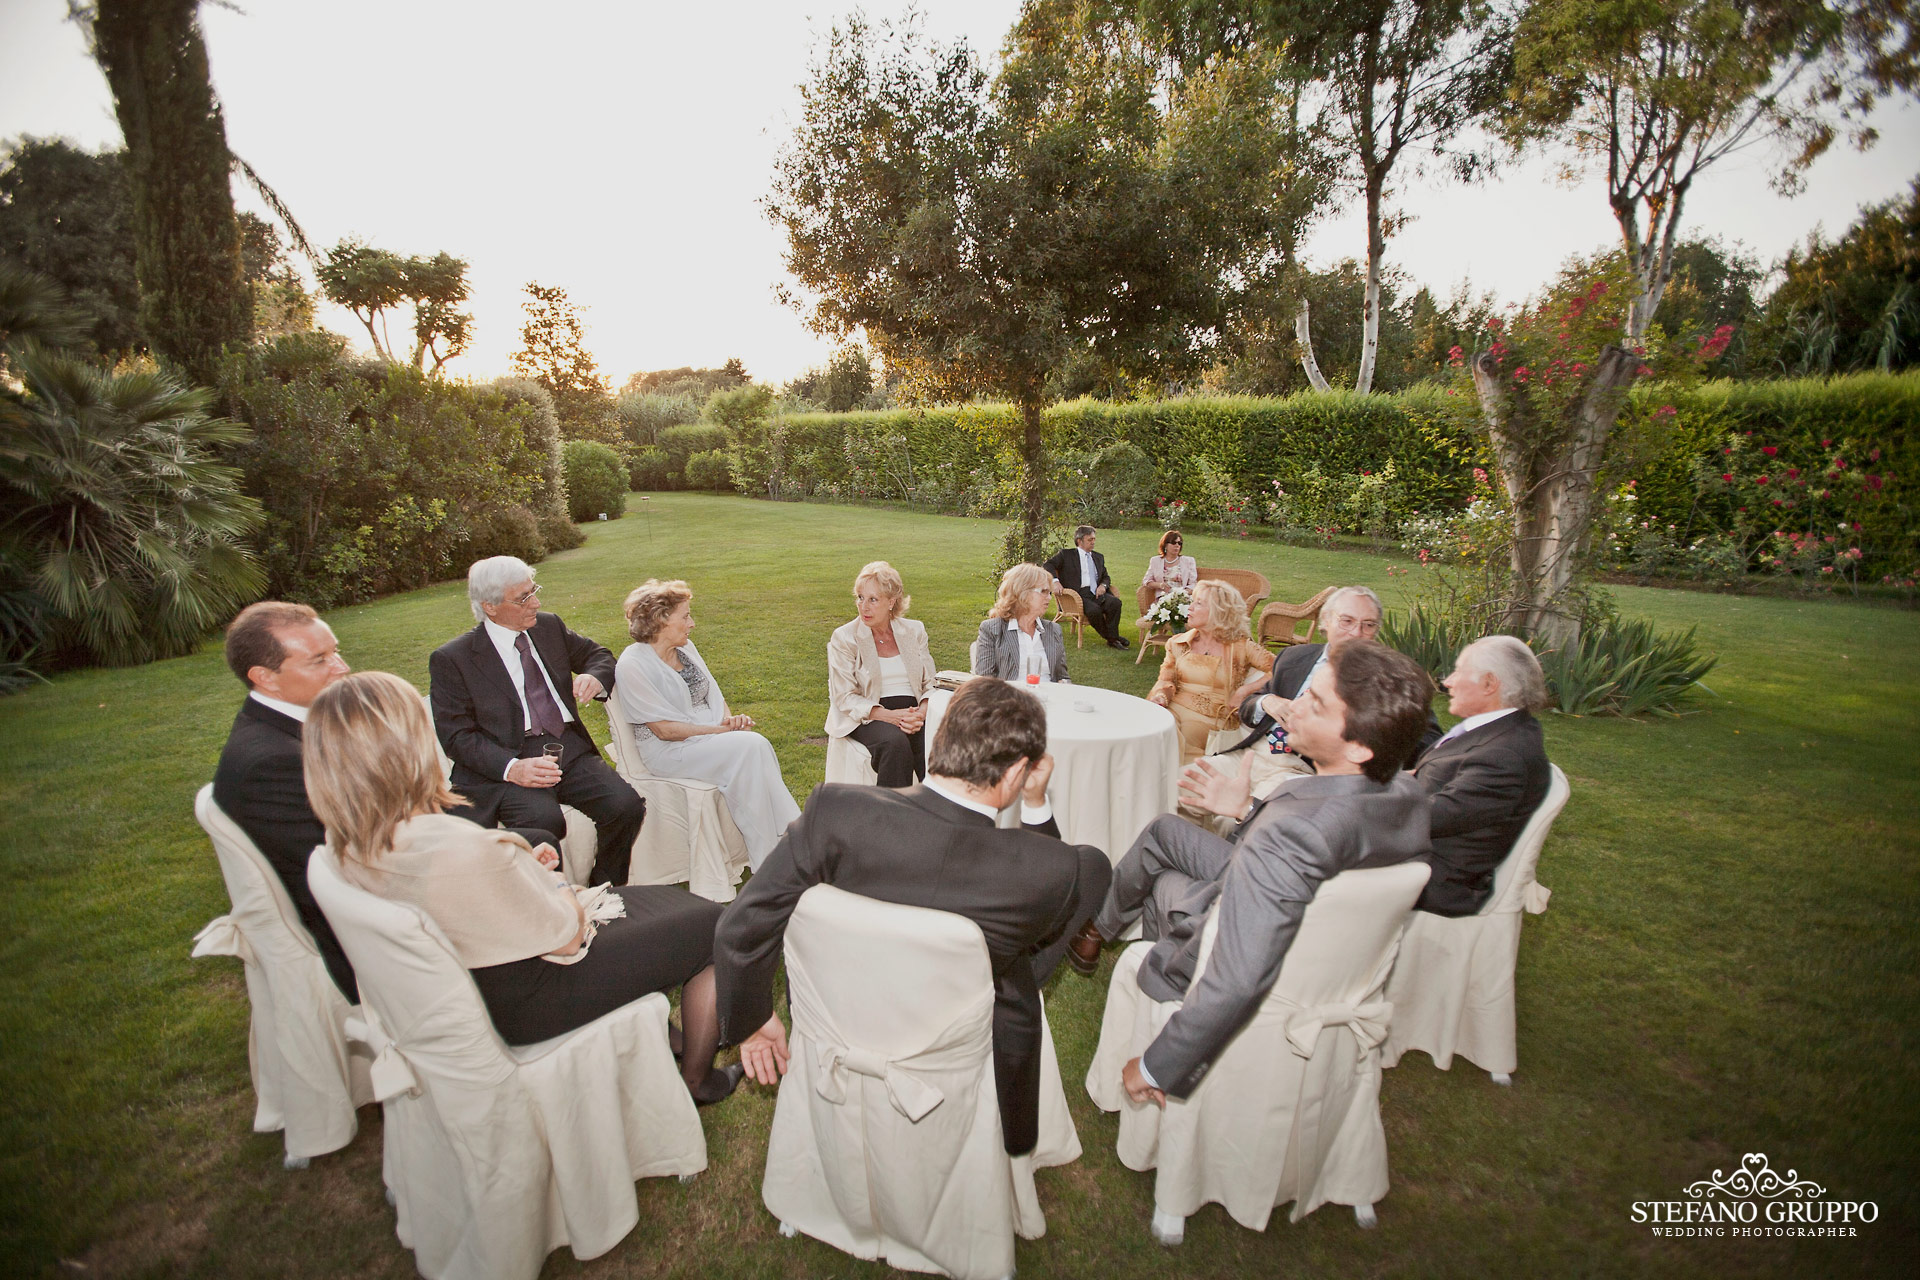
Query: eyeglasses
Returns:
{"type": "Point", "coordinates": [531, 594]}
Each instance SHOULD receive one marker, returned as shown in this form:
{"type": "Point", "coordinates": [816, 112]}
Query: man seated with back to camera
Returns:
{"type": "Point", "coordinates": [934, 845]}
{"type": "Point", "coordinates": [1361, 717]}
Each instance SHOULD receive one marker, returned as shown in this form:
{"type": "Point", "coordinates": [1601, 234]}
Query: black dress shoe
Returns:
{"type": "Point", "coordinates": [1118, 642]}
{"type": "Point", "coordinates": [734, 1074]}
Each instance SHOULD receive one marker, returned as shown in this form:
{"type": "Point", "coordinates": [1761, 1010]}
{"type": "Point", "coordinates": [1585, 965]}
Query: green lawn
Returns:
{"type": "Point", "coordinates": [1729, 963]}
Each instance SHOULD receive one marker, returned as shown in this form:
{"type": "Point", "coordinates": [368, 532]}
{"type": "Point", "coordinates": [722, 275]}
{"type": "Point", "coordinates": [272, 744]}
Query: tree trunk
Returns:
{"type": "Point", "coordinates": [1376, 251]}
{"type": "Point", "coordinates": [193, 297]}
{"type": "Point", "coordinates": [1548, 471]}
{"type": "Point", "coordinates": [1303, 330]}
{"type": "Point", "coordinates": [1033, 483]}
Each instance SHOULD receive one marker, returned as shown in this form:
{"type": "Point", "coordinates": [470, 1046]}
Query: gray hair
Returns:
{"type": "Point", "coordinates": [1513, 667]}
{"type": "Point", "coordinates": [1333, 601]}
{"type": "Point", "coordinates": [1082, 531]}
{"type": "Point", "coordinates": [488, 580]}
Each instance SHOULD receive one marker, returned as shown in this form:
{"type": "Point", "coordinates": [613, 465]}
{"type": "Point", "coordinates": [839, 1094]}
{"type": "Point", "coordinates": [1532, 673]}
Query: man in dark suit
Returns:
{"type": "Point", "coordinates": [1082, 569]}
{"type": "Point", "coordinates": [933, 845]}
{"type": "Point", "coordinates": [1361, 717]}
{"type": "Point", "coordinates": [285, 656]}
{"type": "Point", "coordinates": [504, 693]}
{"type": "Point", "coordinates": [1487, 775]}
{"type": "Point", "coordinates": [1351, 613]}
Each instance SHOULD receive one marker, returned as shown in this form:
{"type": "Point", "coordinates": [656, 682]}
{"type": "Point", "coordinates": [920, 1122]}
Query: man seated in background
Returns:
{"type": "Point", "coordinates": [1081, 569]}
{"type": "Point", "coordinates": [1351, 613]}
{"type": "Point", "coordinates": [1487, 774]}
{"type": "Point", "coordinates": [1360, 718]}
{"type": "Point", "coordinates": [936, 846]}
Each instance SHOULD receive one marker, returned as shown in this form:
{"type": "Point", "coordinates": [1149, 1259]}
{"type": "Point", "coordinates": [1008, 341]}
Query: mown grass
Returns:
{"type": "Point", "coordinates": [1729, 963]}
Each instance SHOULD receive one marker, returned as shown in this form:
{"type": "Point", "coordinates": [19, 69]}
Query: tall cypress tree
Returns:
{"type": "Point", "coordinates": [193, 298]}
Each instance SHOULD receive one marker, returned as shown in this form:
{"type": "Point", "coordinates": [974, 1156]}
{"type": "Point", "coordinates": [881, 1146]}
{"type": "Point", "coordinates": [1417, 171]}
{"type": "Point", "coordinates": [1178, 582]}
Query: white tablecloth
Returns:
{"type": "Point", "coordinates": [1114, 763]}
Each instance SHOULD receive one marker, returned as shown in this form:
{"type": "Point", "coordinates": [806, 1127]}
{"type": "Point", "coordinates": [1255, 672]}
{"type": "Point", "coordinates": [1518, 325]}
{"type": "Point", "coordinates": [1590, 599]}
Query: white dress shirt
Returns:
{"type": "Point", "coordinates": [1087, 578]}
{"type": "Point", "coordinates": [1473, 722]}
{"type": "Point", "coordinates": [1028, 817]}
{"type": "Point", "coordinates": [1033, 654]}
{"type": "Point", "coordinates": [506, 642]}
{"type": "Point", "coordinates": [284, 708]}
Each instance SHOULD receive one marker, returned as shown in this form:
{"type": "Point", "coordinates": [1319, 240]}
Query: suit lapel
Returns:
{"type": "Point", "coordinates": [487, 661]}
{"type": "Point", "coordinates": [553, 652]}
{"type": "Point", "coordinates": [1471, 738]}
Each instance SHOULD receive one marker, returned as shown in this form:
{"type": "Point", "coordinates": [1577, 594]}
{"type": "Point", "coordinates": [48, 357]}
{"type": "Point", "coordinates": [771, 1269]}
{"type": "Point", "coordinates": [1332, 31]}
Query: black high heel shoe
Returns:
{"type": "Point", "coordinates": [734, 1073]}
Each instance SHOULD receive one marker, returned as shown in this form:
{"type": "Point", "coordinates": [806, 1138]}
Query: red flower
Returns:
{"type": "Point", "coordinates": [1769, 450]}
{"type": "Point", "coordinates": [1793, 473]}
{"type": "Point", "coordinates": [1727, 476]}
{"type": "Point", "coordinates": [1759, 479]}
{"type": "Point", "coordinates": [1728, 450]}
{"type": "Point", "coordinates": [1874, 456]}
{"type": "Point", "coordinates": [1667, 411]}
{"type": "Point", "coordinates": [1826, 444]}
{"type": "Point", "coordinates": [1873, 482]}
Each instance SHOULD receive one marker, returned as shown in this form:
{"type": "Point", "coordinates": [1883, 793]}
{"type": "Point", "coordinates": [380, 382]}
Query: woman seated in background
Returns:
{"type": "Point", "coordinates": [1015, 640]}
{"type": "Point", "coordinates": [1210, 668]}
{"type": "Point", "coordinates": [879, 673]}
{"type": "Point", "coordinates": [680, 723]}
{"type": "Point", "coordinates": [1169, 570]}
{"type": "Point", "coordinates": [546, 957]}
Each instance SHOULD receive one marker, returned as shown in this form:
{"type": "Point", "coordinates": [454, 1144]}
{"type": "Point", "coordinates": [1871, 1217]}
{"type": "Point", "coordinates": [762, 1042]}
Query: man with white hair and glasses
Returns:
{"type": "Point", "coordinates": [1351, 613]}
{"type": "Point", "coordinates": [1487, 774]}
{"type": "Point", "coordinates": [506, 709]}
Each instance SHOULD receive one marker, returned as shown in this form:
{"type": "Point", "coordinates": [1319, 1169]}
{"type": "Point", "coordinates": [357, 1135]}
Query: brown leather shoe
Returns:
{"type": "Point", "coordinates": [1083, 951]}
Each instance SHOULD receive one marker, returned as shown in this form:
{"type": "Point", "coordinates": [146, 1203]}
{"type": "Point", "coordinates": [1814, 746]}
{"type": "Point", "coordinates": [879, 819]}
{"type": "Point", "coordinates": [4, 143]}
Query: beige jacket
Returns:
{"type": "Point", "coordinates": [853, 671]}
{"type": "Point", "coordinates": [495, 903]}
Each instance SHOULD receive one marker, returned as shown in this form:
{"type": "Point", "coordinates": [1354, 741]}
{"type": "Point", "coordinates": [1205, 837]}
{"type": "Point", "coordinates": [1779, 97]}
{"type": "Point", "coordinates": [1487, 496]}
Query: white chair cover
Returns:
{"type": "Point", "coordinates": [1291, 1110]}
{"type": "Point", "coordinates": [308, 1076]}
{"type": "Point", "coordinates": [886, 1137]}
{"type": "Point", "coordinates": [689, 835]}
{"type": "Point", "coordinates": [578, 847]}
{"type": "Point", "coordinates": [848, 761]}
{"type": "Point", "coordinates": [498, 1156]}
{"type": "Point", "coordinates": [1452, 989]}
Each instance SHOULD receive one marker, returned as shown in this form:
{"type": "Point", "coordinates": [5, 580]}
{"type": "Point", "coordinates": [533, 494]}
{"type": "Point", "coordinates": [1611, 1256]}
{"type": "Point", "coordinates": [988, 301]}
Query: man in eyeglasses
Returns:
{"type": "Point", "coordinates": [1351, 613]}
{"type": "Point", "coordinates": [506, 709]}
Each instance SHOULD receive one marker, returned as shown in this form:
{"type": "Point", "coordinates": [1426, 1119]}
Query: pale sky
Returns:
{"type": "Point", "coordinates": [619, 150]}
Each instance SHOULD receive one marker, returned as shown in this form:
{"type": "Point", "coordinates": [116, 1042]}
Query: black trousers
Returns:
{"type": "Point", "coordinates": [1096, 877]}
{"type": "Point", "coordinates": [1102, 611]}
{"type": "Point", "coordinates": [899, 758]}
{"type": "Point", "coordinates": [666, 938]}
{"type": "Point", "coordinates": [586, 783]}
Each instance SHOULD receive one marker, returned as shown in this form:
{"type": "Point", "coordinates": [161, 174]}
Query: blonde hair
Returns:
{"type": "Point", "coordinates": [1226, 610]}
{"type": "Point", "coordinates": [1014, 583]}
{"type": "Point", "coordinates": [650, 604]}
{"type": "Point", "coordinates": [887, 578]}
{"type": "Point", "coordinates": [368, 752]}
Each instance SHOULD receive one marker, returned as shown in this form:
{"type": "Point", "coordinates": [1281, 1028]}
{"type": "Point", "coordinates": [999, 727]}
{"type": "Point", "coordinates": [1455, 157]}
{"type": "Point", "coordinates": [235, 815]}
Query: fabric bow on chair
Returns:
{"type": "Point", "coordinates": [1368, 1022]}
{"type": "Point", "coordinates": [911, 1097]}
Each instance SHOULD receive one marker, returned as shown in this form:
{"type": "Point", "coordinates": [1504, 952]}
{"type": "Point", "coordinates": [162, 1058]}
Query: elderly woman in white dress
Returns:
{"type": "Point", "coordinates": [1015, 641]}
{"type": "Point", "coordinates": [879, 673]}
{"type": "Point", "coordinates": [1170, 570]}
{"type": "Point", "coordinates": [681, 726]}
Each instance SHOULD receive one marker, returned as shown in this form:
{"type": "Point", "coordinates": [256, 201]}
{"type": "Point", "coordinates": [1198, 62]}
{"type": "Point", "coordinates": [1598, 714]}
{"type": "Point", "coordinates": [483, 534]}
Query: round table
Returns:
{"type": "Point", "coordinates": [1116, 759]}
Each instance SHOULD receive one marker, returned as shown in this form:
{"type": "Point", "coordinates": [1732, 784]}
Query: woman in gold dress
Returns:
{"type": "Point", "coordinates": [1210, 667]}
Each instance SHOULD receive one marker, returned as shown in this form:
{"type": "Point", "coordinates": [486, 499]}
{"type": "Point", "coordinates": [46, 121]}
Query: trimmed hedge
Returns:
{"type": "Point", "coordinates": [1216, 453]}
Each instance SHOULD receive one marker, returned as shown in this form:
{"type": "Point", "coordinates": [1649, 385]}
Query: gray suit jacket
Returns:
{"type": "Point", "coordinates": [1307, 833]}
{"type": "Point", "coordinates": [996, 651]}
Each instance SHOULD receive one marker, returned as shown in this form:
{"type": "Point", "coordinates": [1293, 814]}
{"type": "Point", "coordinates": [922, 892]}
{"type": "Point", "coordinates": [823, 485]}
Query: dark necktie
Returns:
{"type": "Point", "coordinates": [542, 710]}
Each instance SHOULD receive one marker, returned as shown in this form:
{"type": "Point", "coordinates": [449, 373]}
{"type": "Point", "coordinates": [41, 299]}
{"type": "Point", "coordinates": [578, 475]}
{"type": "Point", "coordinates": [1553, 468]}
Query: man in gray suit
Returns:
{"type": "Point", "coordinates": [1360, 719]}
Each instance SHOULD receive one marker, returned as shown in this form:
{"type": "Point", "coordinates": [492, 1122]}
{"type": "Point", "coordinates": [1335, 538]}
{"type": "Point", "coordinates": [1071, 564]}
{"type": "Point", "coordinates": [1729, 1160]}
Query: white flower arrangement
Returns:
{"type": "Point", "coordinates": [1170, 610]}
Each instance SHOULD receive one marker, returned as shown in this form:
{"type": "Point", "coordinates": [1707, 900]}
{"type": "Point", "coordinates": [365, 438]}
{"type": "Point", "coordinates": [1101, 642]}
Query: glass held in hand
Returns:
{"type": "Point", "coordinates": [552, 752]}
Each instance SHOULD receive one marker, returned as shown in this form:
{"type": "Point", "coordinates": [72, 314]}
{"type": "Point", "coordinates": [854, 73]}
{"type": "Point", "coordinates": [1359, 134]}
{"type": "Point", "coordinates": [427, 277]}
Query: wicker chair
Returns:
{"type": "Point", "coordinates": [1067, 608]}
{"type": "Point", "coordinates": [1145, 597]}
{"type": "Point", "coordinates": [1250, 583]}
{"type": "Point", "coordinates": [1280, 621]}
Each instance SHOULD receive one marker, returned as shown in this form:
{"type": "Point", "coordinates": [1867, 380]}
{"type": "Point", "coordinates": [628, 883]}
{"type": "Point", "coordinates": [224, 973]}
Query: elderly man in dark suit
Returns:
{"type": "Point", "coordinates": [1487, 774]}
{"type": "Point", "coordinates": [505, 706]}
{"type": "Point", "coordinates": [1080, 568]}
{"type": "Point", "coordinates": [933, 845]}
{"type": "Point", "coordinates": [1361, 717]}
